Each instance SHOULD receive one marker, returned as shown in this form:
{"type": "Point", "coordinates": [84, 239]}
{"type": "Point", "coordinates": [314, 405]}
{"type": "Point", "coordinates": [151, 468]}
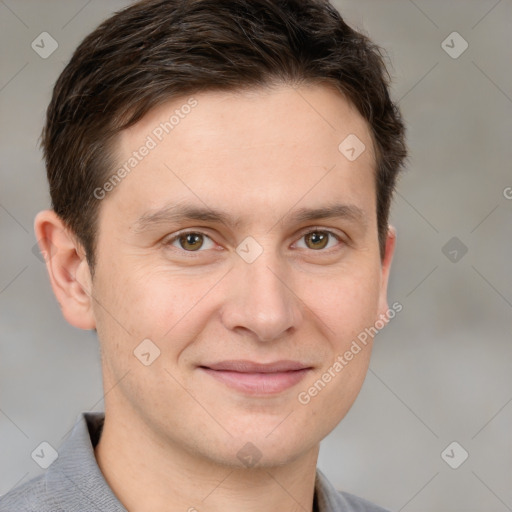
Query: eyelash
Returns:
{"type": "Point", "coordinates": [192, 254]}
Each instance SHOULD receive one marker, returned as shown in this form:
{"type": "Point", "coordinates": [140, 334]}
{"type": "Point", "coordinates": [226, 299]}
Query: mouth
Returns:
{"type": "Point", "coordinates": [257, 378]}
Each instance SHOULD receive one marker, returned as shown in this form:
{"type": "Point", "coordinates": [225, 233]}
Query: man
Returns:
{"type": "Point", "coordinates": [221, 175]}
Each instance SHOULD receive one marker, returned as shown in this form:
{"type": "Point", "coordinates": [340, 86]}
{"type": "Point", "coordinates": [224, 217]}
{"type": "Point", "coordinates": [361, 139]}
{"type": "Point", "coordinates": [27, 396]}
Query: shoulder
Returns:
{"type": "Point", "coordinates": [28, 497]}
{"type": "Point", "coordinates": [356, 504]}
{"type": "Point", "coordinates": [330, 499]}
{"type": "Point", "coordinates": [73, 482]}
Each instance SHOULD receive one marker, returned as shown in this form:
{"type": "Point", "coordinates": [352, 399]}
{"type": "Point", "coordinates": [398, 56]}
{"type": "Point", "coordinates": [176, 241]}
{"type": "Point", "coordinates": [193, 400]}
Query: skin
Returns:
{"type": "Point", "coordinates": [172, 432]}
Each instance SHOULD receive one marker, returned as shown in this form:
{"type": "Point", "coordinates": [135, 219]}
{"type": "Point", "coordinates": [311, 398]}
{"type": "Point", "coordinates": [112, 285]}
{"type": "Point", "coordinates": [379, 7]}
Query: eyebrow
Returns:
{"type": "Point", "coordinates": [182, 212]}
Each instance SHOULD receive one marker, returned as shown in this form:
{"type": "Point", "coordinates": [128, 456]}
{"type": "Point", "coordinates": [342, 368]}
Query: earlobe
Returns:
{"type": "Point", "coordinates": [385, 269]}
{"type": "Point", "coordinates": [67, 268]}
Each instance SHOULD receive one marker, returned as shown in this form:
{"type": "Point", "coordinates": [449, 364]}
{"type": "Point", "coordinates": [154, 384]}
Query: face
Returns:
{"type": "Point", "coordinates": [247, 306]}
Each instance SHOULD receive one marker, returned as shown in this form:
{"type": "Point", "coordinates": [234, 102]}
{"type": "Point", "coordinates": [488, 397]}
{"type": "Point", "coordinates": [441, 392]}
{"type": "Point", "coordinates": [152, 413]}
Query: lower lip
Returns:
{"type": "Point", "coordinates": [258, 383]}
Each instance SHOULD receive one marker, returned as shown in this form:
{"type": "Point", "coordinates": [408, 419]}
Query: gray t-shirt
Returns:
{"type": "Point", "coordinates": [75, 483]}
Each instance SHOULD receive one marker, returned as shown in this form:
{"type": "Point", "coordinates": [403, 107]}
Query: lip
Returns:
{"type": "Point", "coordinates": [257, 378]}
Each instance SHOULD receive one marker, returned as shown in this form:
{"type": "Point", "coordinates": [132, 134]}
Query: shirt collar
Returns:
{"type": "Point", "coordinates": [77, 478]}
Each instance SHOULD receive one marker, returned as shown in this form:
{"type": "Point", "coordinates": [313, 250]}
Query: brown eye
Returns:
{"type": "Point", "coordinates": [317, 239]}
{"type": "Point", "coordinates": [191, 241]}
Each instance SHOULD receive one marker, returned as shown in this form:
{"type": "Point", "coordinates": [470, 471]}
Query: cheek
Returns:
{"type": "Point", "coordinates": [347, 303]}
{"type": "Point", "coordinates": [349, 310]}
{"type": "Point", "coordinates": [159, 304]}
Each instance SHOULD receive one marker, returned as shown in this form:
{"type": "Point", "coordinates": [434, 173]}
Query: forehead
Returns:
{"type": "Point", "coordinates": [251, 150]}
{"type": "Point", "coordinates": [265, 114]}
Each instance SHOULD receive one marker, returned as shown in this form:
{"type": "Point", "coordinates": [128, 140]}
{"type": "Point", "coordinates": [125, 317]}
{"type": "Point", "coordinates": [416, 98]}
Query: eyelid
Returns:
{"type": "Point", "coordinates": [306, 231]}
{"type": "Point", "coordinates": [168, 241]}
{"type": "Point", "coordinates": [335, 234]}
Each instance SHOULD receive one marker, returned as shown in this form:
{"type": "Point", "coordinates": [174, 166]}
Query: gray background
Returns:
{"type": "Point", "coordinates": [441, 371]}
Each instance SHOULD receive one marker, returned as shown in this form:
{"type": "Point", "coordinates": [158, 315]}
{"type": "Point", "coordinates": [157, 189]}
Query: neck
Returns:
{"type": "Point", "coordinates": [148, 475]}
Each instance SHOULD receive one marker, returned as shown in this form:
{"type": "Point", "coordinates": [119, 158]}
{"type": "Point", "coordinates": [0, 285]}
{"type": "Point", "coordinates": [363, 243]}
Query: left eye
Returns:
{"type": "Point", "coordinates": [319, 239]}
{"type": "Point", "coordinates": [193, 241]}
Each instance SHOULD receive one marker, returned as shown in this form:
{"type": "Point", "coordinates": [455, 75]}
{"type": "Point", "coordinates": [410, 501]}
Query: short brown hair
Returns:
{"type": "Point", "coordinates": [156, 50]}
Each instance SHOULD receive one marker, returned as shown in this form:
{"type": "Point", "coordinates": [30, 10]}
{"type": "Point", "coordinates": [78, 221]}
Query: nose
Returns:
{"type": "Point", "coordinates": [260, 299]}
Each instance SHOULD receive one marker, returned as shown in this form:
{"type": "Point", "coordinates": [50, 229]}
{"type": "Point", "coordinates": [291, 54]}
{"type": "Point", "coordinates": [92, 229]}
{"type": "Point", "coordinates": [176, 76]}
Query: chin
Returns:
{"type": "Point", "coordinates": [261, 450]}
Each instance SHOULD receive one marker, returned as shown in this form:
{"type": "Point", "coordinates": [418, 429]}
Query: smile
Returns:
{"type": "Point", "coordinates": [256, 378]}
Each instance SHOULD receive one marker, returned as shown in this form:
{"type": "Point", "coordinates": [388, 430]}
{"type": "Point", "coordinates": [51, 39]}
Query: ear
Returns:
{"type": "Point", "coordinates": [68, 269]}
{"type": "Point", "coordinates": [385, 268]}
